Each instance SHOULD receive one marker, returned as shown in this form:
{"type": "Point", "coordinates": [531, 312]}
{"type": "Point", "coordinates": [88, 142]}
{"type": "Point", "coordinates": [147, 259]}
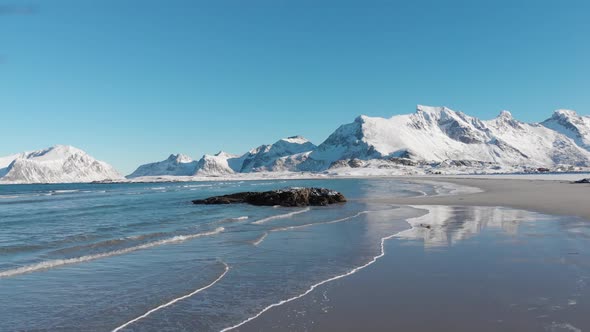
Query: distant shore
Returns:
{"type": "Point", "coordinates": [270, 176]}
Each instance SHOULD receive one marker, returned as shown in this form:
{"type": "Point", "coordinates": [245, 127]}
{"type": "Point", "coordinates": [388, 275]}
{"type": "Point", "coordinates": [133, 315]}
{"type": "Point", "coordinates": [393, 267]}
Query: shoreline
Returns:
{"type": "Point", "coordinates": [555, 197]}
{"type": "Point", "coordinates": [558, 198]}
{"type": "Point", "coordinates": [310, 290]}
{"type": "Point", "coordinates": [269, 176]}
{"type": "Point", "coordinates": [326, 282]}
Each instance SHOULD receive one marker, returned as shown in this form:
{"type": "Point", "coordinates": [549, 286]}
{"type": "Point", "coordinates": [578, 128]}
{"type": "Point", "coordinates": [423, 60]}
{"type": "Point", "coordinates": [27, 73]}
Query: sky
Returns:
{"type": "Point", "coordinates": [131, 82]}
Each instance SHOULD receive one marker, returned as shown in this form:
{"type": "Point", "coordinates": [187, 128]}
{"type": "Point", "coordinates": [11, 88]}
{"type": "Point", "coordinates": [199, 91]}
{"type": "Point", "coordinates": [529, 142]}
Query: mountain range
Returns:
{"type": "Point", "coordinates": [430, 140]}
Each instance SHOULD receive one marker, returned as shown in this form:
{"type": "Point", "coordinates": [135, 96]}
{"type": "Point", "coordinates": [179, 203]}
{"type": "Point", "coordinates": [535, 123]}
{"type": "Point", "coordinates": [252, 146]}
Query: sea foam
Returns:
{"type": "Point", "coordinates": [280, 216]}
{"type": "Point", "coordinates": [314, 286]}
{"type": "Point", "coordinates": [260, 239]}
{"type": "Point", "coordinates": [173, 301]}
{"type": "Point", "coordinates": [76, 260]}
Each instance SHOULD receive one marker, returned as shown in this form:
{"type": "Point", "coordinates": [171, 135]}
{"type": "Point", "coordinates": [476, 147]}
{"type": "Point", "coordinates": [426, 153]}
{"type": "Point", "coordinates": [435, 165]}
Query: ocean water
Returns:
{"type": "Point", "coordinates": [141, 257]}
{"type": "Point", "coordinates": [482, 269]}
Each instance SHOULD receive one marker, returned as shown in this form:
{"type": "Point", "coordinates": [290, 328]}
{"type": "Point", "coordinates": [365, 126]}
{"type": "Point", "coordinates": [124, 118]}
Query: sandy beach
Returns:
{"type": "Point", "coordinates": [512, 257]}
{"type": "Point", "coordinates": [558, 197]}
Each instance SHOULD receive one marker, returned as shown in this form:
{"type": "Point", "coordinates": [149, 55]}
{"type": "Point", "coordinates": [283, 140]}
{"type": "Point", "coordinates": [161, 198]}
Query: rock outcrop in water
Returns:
{"type": "Point", "coordinates": [283, 197]}
{"type": "Point", "coordinates": [587, 180]}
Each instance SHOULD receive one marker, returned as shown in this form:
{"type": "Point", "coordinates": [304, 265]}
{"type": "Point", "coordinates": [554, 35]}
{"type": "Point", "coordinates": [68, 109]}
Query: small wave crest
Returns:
{"type": "Point", "coordinates": [260, 239]}
{"type": "Point", "coordinates": [280, 216]}
{"type": "Point", "coordinates": [196, 291]}
{"type": "Point", "coordinates": [65, 191]}
{"type": "Point", "coordinates": [76, 260]}
{"type": "Point", "coordinates": [109, 243]}
{"type": "Point", "coordinates": [287, 228]}
{"type": "Point", "coordinates": [9, 196]}
{"type": "Point", "coordinates": [233, 219]}
{"type": "Point", "coordinates": [197, 185]}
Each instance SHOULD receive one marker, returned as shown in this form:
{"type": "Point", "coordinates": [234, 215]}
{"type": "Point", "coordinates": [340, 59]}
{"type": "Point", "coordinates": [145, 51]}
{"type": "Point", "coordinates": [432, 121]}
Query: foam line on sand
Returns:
{"type": "Point", "coordinates": [196, 291]}
{"type": "Point", "coordinates": [313, 287]}
{"type": "Point", "coordinates": [280, 216]}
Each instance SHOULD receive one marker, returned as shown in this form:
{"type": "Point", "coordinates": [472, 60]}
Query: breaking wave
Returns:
{"type": "Point", "coordinates": [76, 260]}
{"type": "Point", "coordinates": [287, 228]}
{"type": "Point", "coordinates": [280, 216]}
{"type": "Point", "coordinates": [63, 191]}
{"type": "Point", "coordinates": [173, 301]}
{"type": "Point", "coordinates": [260, 239]}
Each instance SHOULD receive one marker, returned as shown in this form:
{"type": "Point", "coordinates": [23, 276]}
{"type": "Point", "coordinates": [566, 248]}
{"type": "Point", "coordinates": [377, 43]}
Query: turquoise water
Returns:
{"type": "Point", "coordinates": [98, 257]}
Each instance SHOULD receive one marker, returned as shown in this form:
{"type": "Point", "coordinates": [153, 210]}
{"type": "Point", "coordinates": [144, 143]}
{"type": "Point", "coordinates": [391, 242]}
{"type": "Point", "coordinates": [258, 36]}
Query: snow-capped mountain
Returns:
{"type": "Point", "coordinates": [436, 134]}
{"type": "Point", "coordinates": [6, 161]}
{"type": "Point", "coordinates": [572, 125]}
{"type": "Point", "coordinates": [175, 164]}
{"type": "Point", "coordinates": [272, 157]}
{"type": "Point", "coordinates": [222, 163]}
{"type": "Point", "coordinates": [284, 155]}
{"type": "Point", "coordinates": [58, 164]}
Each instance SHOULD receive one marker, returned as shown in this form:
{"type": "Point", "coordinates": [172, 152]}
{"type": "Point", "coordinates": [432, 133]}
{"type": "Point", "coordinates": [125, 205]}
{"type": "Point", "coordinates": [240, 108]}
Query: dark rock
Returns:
{"type": "Point", "coordinates": [284, 197]}
{"type": "Point", "coordinates": [352, 163]}
{"type": "Point", "coordinates": [355, 163]}
{"type": "Point", "coordinates": [402, 161]}
{"type": "Point", "coordinates": [339, 164]}
{"type": "Point", "coordinates": [587, 180]}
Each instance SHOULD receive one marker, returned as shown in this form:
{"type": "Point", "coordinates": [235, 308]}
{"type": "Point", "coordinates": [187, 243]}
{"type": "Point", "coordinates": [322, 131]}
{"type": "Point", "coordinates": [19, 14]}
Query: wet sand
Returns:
{"type": "Point", "coordinates": [546, 196]}
{"type": "Point", "coordinates": [478, 266]}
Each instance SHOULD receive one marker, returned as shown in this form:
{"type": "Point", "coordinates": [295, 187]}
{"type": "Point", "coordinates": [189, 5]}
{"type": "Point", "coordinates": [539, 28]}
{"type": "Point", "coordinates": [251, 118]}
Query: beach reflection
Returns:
{"type": "Point", "coordinates": [446, 225]}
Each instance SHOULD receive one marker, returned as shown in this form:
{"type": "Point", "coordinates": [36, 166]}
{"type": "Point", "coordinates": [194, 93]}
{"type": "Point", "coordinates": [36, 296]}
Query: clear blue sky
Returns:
{"type": "Point", "coordinates": [133, 81]}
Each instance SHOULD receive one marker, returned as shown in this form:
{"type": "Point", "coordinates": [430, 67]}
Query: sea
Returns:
{"type": "Point", "coordinates": [142, 257]}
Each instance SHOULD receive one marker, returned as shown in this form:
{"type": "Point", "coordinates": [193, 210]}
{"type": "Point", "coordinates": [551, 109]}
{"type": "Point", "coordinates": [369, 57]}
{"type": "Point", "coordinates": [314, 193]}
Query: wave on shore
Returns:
{"type": "Point", "coordinates": [314, 286]}
{"type": "Point", "coordinates": [280, 216]}
{"type": "Point", "coordinates": [76, 260]}
{"type": "Point", "coordinates": [196, 291]}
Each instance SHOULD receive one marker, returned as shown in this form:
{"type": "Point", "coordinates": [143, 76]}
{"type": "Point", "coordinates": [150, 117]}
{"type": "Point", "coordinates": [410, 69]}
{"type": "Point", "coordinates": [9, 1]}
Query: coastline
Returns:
{"type": "Point", "coordinates": [370, 299]}
{"type": "Point", "coordinates": [443, 225]}
{"type": "Point", "coordinates": [276, 176]}
{"type": "Point", "coordinates": [556, 197]}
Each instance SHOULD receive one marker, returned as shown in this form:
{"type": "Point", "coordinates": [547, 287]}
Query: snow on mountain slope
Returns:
{"type": "Point", "coordinates": [533, 144]}
{"type": "Point", "coordinates": [284, 155]}
{"type": "Point", "coordinates": [432, 133]}
{"type": "Point", "coordinates": [572, 125]}
{"type": "Point", "coordinates": [433, 140]}
{"type": "Point", "coordinates": [439, 133]}
{"type": "Point", "coordinates": [6, 161]}
{"type": "Point", "coordinates": [58, 164]}
{"type": "Point", "coordinates": [288, 163]}
{"type": "Point", "coordinates": [222, 163]}
{"type": "Point", "coordinates": [175, 164]}
{"type": "Point", "coordinates": [268, 157]}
